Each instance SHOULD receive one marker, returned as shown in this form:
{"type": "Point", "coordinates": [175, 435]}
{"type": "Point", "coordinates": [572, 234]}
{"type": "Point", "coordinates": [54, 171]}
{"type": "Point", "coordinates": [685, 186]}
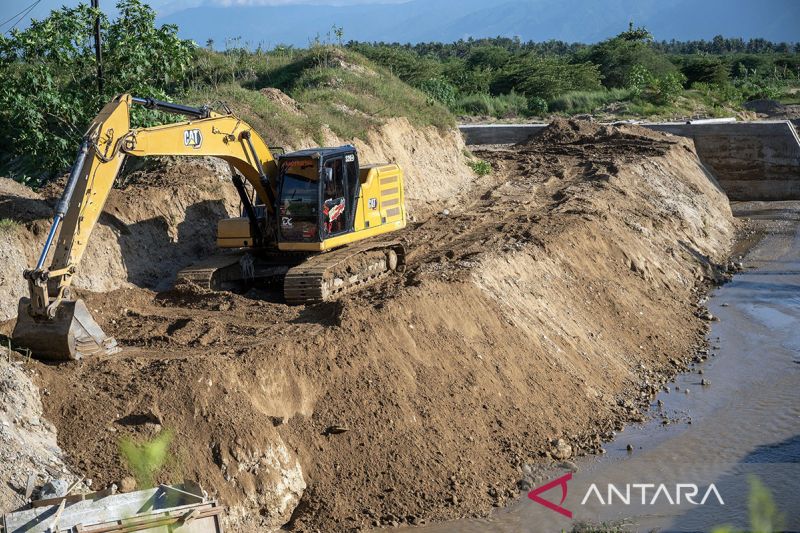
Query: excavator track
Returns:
{"type": "Point", "coordinates": [326, 277]}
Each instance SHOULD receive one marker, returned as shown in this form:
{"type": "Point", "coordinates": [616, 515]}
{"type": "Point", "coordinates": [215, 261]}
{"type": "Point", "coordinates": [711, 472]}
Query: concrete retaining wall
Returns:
{"type": "Point", "coordinates": [751, 160]}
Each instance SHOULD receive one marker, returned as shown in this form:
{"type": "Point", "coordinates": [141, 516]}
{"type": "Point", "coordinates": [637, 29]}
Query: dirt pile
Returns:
{"type": "Point", "coordinates": [433, 163]}
{"type": "Point", "coordinates": [158, 222]}
{"type": "Point", "coordinates": [773, 109]}
{"type": "Point", "coordinates": [550, 303]}
{"type": "Point", "coordinates": [28, 445]}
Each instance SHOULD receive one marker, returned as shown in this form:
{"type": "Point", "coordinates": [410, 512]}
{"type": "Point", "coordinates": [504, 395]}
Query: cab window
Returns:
{"type": "Point", "coordinates": [299, 208]}
{"type": "Point", "coordinates": [334, 198]}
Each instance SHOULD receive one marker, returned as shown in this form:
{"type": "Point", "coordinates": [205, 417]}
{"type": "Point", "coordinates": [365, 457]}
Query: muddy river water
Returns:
{"type": "Point", "coordinates": [737, 426]}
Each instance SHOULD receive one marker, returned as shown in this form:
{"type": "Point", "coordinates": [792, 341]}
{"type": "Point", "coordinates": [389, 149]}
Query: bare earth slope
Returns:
{"type": "Point", "coordinates": [549, 303]}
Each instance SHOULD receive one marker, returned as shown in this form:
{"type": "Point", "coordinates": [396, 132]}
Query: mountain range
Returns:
{"type": "Point", "coordinates": [449, 20]}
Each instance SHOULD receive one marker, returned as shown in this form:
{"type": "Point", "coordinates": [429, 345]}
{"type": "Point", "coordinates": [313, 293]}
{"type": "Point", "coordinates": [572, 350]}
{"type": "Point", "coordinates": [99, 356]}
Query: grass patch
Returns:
{"type": "Point", "coordinates": [501, 106]}
{"type": "Point", "coordinates": [480, 167]}
{"type": "Point", "coordinates": [7, 224]}
{"type": "Point", "coordinates": [580, 102]}
{"type": "Point", "coordinates": [332, 86]}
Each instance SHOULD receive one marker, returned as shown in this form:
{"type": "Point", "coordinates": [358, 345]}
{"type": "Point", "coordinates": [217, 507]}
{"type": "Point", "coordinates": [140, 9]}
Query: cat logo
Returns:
{"type": "Point", "coordinates": [192, 138]}
{"type": "Point", "coordinates": [373, 203]}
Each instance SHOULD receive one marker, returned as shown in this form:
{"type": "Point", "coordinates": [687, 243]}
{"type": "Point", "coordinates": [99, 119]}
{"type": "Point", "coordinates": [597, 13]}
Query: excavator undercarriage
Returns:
{"type": "Point", "coordinates": [305, 279]}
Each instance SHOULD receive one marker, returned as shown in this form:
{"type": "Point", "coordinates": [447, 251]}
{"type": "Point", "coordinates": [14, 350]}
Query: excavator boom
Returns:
{"type": "Point", "coordinates": [50, 322]}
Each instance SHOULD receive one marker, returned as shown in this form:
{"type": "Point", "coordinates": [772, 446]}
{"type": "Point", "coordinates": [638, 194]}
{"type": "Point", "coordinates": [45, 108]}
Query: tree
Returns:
{"type": "Point", "coordinates": [488, 57]}
{"type": "Point", "coordinates": [47, 80]}
{"type": "Point", "coordinates": [618, 55]}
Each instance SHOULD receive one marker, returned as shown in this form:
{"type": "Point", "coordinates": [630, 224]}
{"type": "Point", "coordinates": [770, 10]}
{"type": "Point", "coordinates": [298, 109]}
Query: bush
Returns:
{"type": "Point", "coordinates": [755, 89]}
{"type": "Point", "coordinates": [546, 77]}
{"type": "Point", "coordinates": [637, 79]}
{"type": "Point", "coordinates": [705, 69]}
{"type": "Point", "coordinates": [618, 56]}
{"type": "Point", "coordinates": [439, 90]}
{"type": "Point", "coordinates": [47, 81]}
{"type": "Point", "coordinates": [480, 167]}
{"type": "Point", "coordinates": [7, 224]}
{"type": "Point", "coordinates": [537, 105]}
{"type": "Point", "coordinates": [488, 57]}
{"type": "Point", "coordinates": [576, 102]}
{"type": "Point", "coordinates": [665, 89]}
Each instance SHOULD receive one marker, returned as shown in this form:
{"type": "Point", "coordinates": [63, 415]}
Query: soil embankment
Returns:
{"type": "Point", "coordinates": [549, 303]}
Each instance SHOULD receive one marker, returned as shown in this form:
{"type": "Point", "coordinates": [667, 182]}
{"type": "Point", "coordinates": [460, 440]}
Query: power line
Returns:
{"type": "Point", "coordinates": [15, 16]}
{"type": "Point", "coordinates": [22, 14]}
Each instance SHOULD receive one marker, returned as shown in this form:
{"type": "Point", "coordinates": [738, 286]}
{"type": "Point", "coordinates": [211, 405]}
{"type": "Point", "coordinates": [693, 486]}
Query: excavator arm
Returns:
{"type": "Point", "coordinates": [50, 323]}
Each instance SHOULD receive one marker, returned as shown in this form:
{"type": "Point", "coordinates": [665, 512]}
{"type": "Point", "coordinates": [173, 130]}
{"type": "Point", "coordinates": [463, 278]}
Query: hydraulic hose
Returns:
{"type": "Point", "coordinates": [66, 197]}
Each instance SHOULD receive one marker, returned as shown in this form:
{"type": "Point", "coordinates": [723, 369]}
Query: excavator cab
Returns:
{"type": "Point", "coordinates": [317, 193]}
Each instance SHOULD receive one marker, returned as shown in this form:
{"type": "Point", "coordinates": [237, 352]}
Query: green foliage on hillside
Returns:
{"type": "Point", "coordinates": [629, 74]}
{"type": "Point", "coordinates": [333, 87]}
{"type": "Point", "coordinates": [49, 95]}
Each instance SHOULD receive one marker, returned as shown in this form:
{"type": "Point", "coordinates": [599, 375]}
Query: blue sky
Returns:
{"type": "Point", "coordinates": [585, 21]}
{"type": "Point", "coordinates": [8, 8]}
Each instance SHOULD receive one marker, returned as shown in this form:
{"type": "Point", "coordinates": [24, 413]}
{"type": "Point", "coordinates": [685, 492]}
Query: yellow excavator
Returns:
{"type": "Point", "coordinates": [309, 218]}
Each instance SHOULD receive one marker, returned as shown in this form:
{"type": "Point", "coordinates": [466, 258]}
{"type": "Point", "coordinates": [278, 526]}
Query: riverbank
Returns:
{"type": "Point", "coordinates": [539, 313]}
{"type": "Point", "coordinates": [732, 416]}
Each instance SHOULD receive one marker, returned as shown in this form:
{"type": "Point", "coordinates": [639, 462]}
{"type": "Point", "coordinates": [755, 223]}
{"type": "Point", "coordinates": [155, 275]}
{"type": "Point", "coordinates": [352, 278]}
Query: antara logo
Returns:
{"type": "Point", "coordinates": [644, 493]}
{"type": "Point", "coordinates": [562, 482]}
{"type": "Point", "coordinates": [661, 494]}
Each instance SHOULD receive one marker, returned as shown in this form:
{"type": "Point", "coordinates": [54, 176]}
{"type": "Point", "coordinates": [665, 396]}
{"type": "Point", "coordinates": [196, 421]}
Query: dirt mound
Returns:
{"type": "Point", "coordinates": [623, 141]}
{"type": "Point", "coordinates": [28, 445]}
{"type": "Point", "coordinates": [282, 99]}
{"type": "Point", "coordinates": [158, 222]}
{"type": "Point", "coordinates": [550, 303]}
{"type": "Point", "coordinates": [773, 109]}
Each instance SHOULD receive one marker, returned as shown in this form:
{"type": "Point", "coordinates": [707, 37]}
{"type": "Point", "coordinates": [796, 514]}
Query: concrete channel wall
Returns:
{"type": "Point", "coordinates": [751, 160]}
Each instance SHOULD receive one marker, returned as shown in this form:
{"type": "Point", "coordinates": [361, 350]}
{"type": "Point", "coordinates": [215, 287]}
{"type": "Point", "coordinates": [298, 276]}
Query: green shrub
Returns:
{"type": "Point", "coordinates": [637, 79]}
{"type": "Point", "coordinates": [616, 57]}
{"type": "Point", "coordinates": [577, 102]}
{"type": "Point", "coordinates": [439, 90]}
{"type": "Point", "coordinates": [665, 89]}
{"type": "Point", "coordinates": [7, 224]}
{"type": "Point", "coordinates": [546, 77]}
{"type": "Point", "coordinates": [537, 105]}
{"type": "Point", "coordinates": [488, 57]}
{"type": "Point", "coordinates": [706, 69]}
{"type": "Point", "coordinates": [754, 89]}
{"type": "Point", "coordinates": [480, 167]}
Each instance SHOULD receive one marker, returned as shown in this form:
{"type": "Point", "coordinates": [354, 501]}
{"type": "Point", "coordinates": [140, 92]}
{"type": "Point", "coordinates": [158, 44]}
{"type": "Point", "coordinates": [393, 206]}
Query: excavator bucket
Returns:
{"type": "Point", "coordinates": [68, 336]}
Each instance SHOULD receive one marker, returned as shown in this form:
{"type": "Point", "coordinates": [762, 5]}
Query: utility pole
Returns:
{"type": "Point", "coordinates": [98, 52]}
